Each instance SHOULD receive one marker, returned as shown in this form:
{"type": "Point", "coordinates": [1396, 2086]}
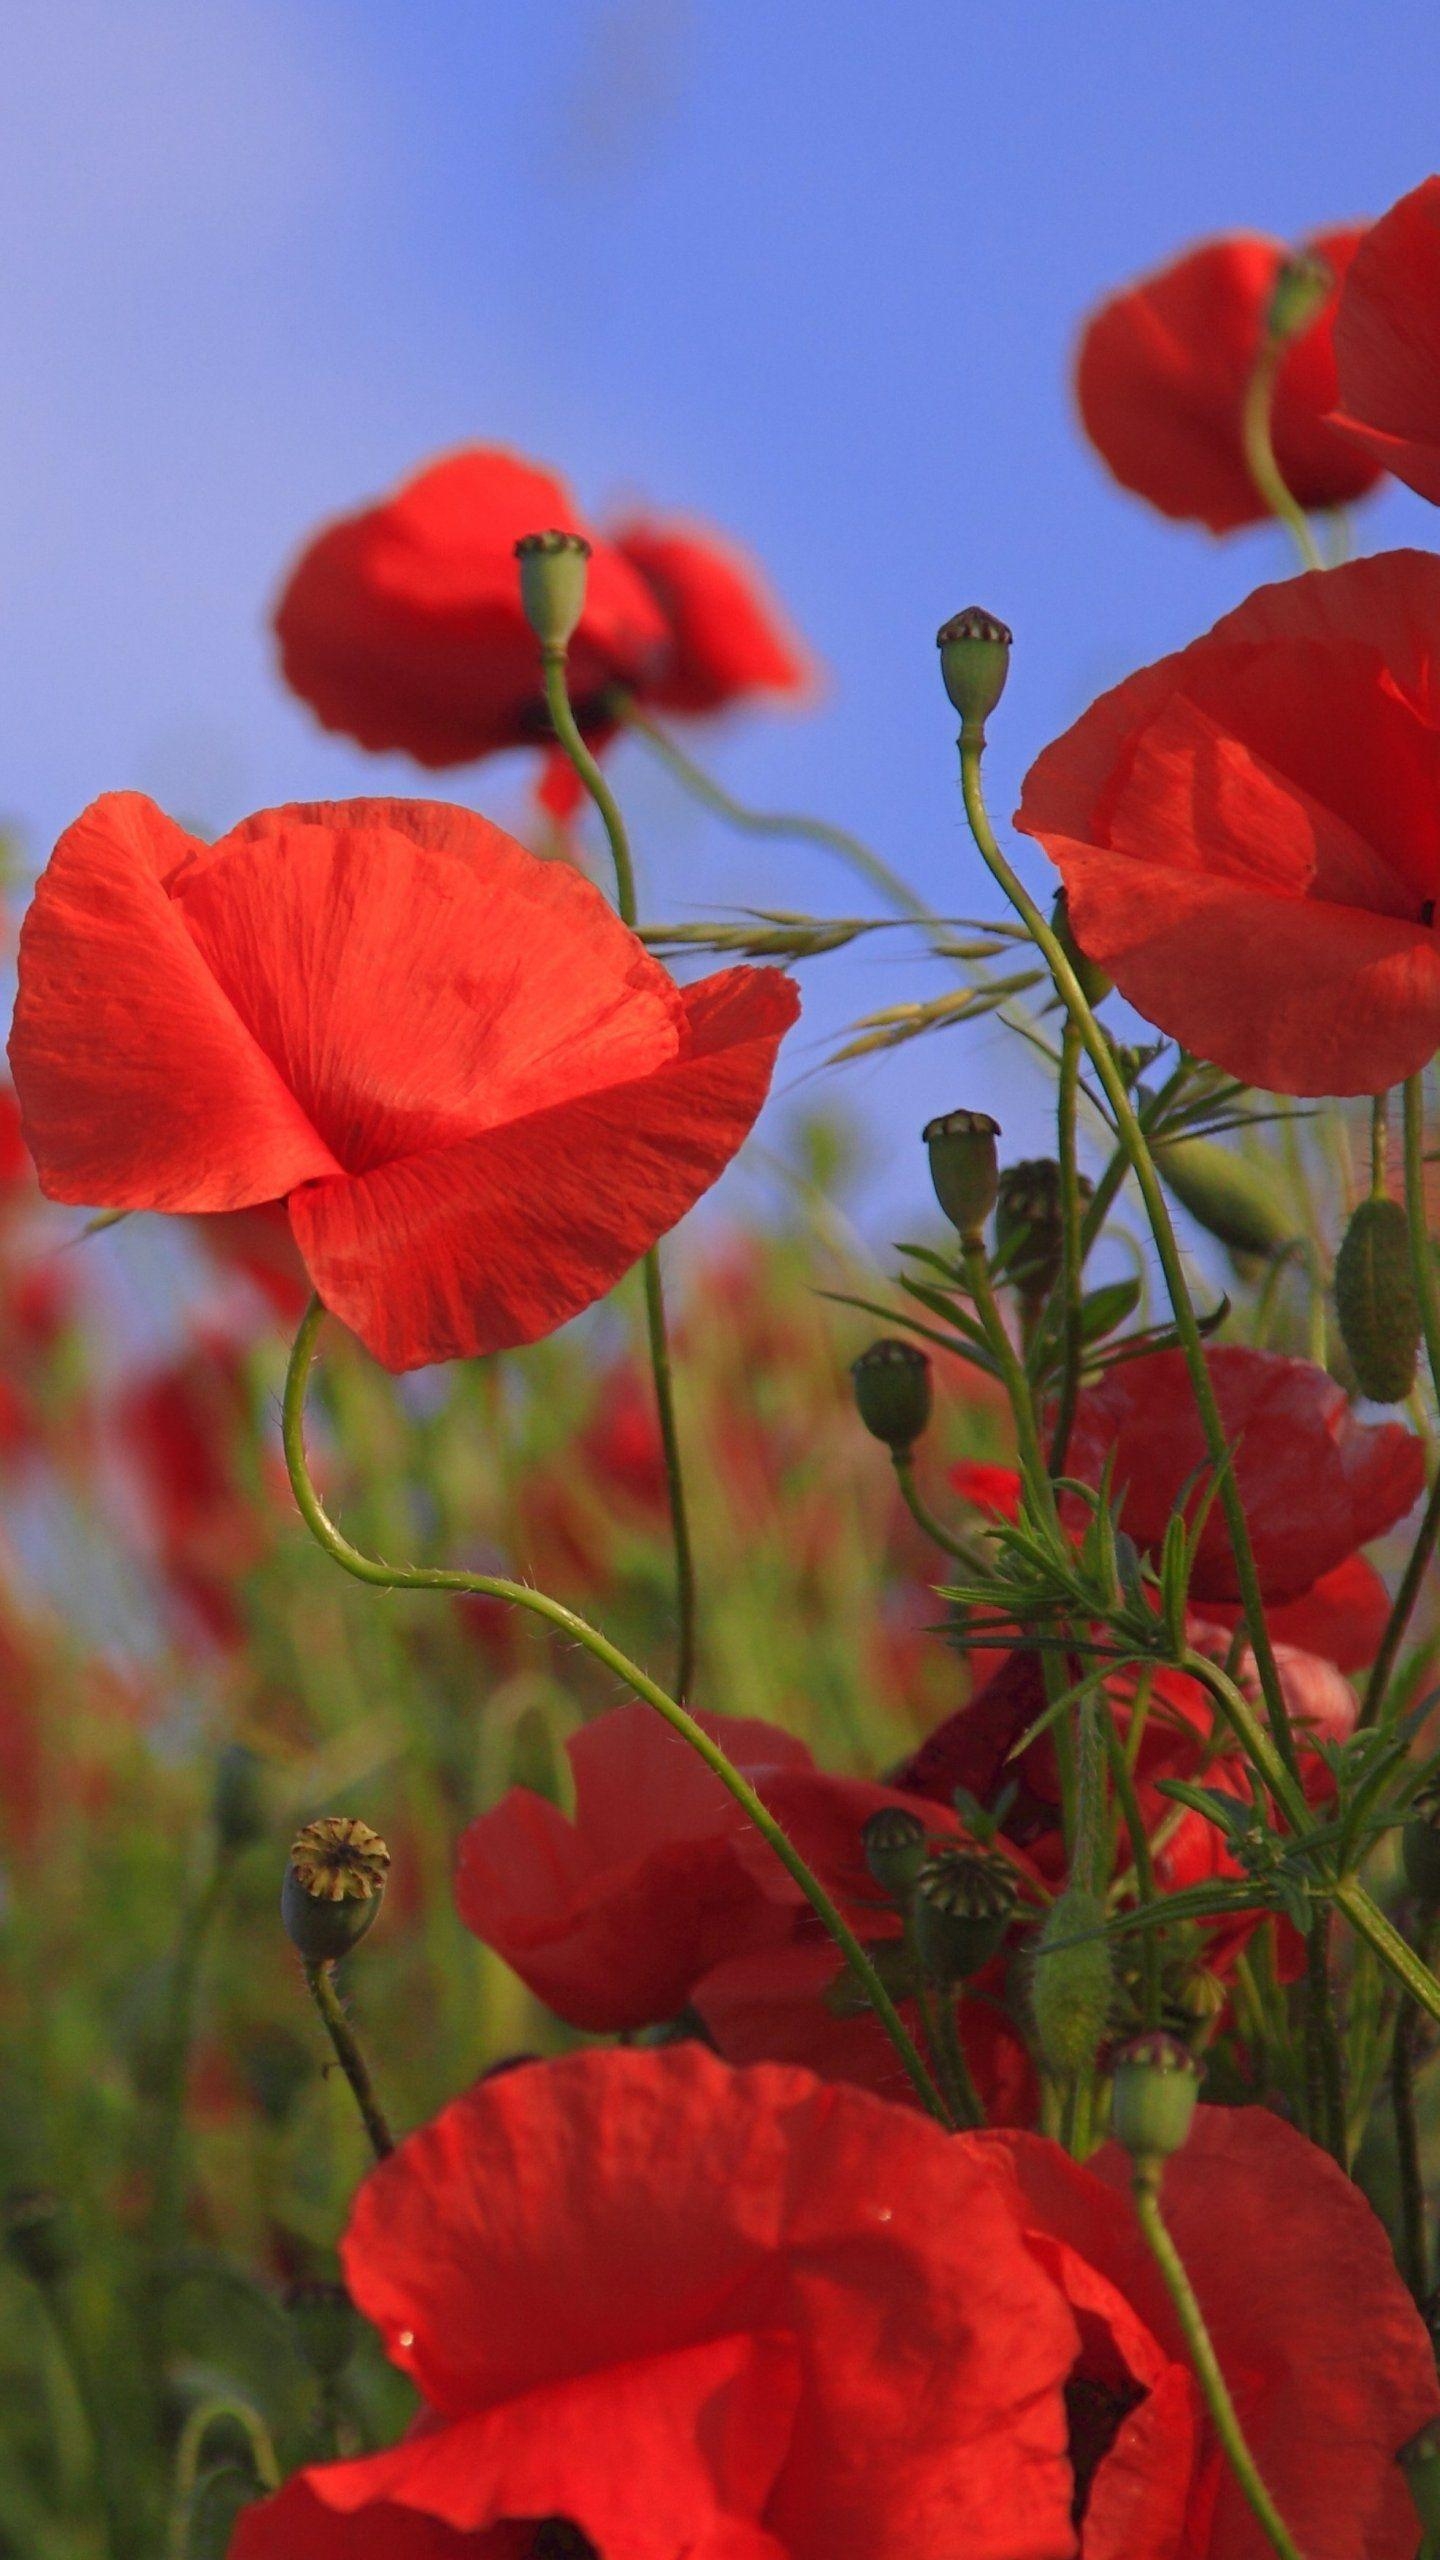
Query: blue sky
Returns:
{"type": "Point", "coordinates": [810, 269]}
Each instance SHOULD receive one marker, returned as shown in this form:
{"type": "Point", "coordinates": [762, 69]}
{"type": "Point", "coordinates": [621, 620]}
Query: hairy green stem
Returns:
{"type": "Point", "coordinates": [320, 1983]}
{"type": "Point", "coordinates": [391, 1577]}
{"type": "Point", "coordinates": [1213, 2386]}
{"type": "Point", "coordinates": [1072, 1211]}
{"type": "Point", "coordinates": [1324, 2062]}
{"type": "Point", "coordinates": [584, 764]}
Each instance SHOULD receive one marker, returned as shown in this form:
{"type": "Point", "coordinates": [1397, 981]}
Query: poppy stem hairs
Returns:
{"type": "Point", "coordinates": [400, 1577]}
{"type": "Point", "coordinates": [553, 655]}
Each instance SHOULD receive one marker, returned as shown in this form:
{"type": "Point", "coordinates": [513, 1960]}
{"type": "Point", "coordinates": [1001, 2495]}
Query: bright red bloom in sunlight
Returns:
{"type": "Point", "coordinates": [730, 2315]}
{"type": "Point", "coordinates": [1292, 2269]}
{"type": "Point", "coordinates": [1249, 831]}
{"type": "Point", "coordinates": [1161, 374]}
{"type": "Point", "coordinates": [1387, 341]}
{"type": "Point", "coordinates": [1315, 1483]}
{"type": "Point", "coordinates": [402, 627]}
{"type": "Point", "coordinates": [480, 1097]}
{"type": "Point", "coordinates": [726, 639]}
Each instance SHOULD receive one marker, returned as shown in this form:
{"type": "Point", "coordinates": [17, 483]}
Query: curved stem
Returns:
{"type": "Point", "coordinates": [320, 1983]}
{"type": "Point", "coordinates": [1146, 2191]}
{"type": "Point", "coordinates": [120, 2539]}
{"type": "Point", "coordinates": [925, 1519]}
{"type": "Point", "coordinates": [393, 1577]}
{"type": "Point", "coordinates": [1259, 445]}
{"type": "Point", "coordinates": [870, 866]}
{"type": "Point", "coordinates": [1133, 1140]}
{"type": "Point", "coordinates": [566, 727]}
{"type": "Point", "coordinates": [211, 2413]}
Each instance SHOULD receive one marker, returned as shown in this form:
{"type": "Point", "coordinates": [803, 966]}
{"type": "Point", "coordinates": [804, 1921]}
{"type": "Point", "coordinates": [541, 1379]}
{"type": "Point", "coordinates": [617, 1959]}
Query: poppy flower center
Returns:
{"type": "Point", "coordinates": [1095, 2412]}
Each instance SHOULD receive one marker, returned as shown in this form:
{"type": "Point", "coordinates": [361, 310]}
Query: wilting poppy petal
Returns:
{"type": "Point", "coordinates": [1387, 341]}
{"type": "Point", "coordinates": [1161, 375]}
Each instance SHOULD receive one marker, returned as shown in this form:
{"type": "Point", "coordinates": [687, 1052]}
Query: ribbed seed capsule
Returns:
{"type": "Point", "coordinates": [1152, 2105]}
{"type": "Point", "coordinates": [1375, 1301]}
{"type": "Point", "coordinates": [893, 1393]}
{"type": "Point", "coordinates": [1030, 1224]}
{"type": "Point", "coordinates": [893, 1840]}
{"type": "Point", "coordinates": [1073, 1985]}
{"type": "Point", "coordinates": [963, 1904]}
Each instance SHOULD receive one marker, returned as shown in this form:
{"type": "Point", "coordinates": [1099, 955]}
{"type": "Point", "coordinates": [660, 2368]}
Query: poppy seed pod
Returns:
{"type": "Point", "coordinates": [974, 663]}
{"type": "Point", "coordinates": [553, 574]}
{"type": "Point", "coordinates": [893, 1840]}
{"type": "Point", "coordinates": [1301, 290]}
{"type": "Point", "coordinates": [964, 1166]}
{"type": "Point", "coordinates": [1152, 2106]}
{"type": "Point", "coordinates": [333, 1887]}
{"type": "Point", "coordinates": [1030, 1224]}
{"type": "Point", "coordinates": [964, 1903]}
{"type": "Point", "coordinates": [1225, 1195]}
{"type": "Point", "coordinates": [1376, 1301]}
{"type": "Point", "coordinates": [1073, 1983]}
{"type": "Point", "coordinates": [893, 1392]}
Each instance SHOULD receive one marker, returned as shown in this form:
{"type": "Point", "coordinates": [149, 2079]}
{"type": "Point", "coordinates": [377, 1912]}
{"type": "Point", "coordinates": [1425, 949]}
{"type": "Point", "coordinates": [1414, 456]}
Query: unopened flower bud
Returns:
{"type": "Point", "coordinates": [1030, 1224]}
{"type": "Point", "coordinates": [974, 663]}
{"type": "Point", "coordinates": [1073, 1985]}
{"type": "Point", "coordinates": [893, 1840]}
{"type": "Point", "coordinates": [237, 1806]}
{"type": "Point", "coordinates": [1376, 1301]}
{"type": "Point", "coordinates": [37, 2233]}
{"type": "Point", "coordinates": [1301, 290]}
{"type": "Point", "coordinates": [1420, 1849]}
{"type": "Point", "coordinates": [964, 1901]}
{"type": "Point", "coordinates": [333, 1886]}
{"type": "Point", "coordinates": [1420, 2462]}
{"type": "Point", "coordinates": [1094, 984]}
{"type": "Point", "coordinates": [964, 1166]}
{"type": "Point", "coordinates": [553, 577]}
{"type": "Point", "coordinates": [1152, 2103]}
{"type": "Point", "coordinates": [327, 2326]}
{"type": "Point", "coordinates": [893, 1392]}
{"type": "Point", "coordinates": [1225, 1195]}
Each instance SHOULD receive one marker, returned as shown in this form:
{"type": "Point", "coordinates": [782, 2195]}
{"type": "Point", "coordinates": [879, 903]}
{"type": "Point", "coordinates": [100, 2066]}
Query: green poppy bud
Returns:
{"type": "Point", "coordinates": [1225, 1195]}
{"type": "Point", "coordinates": [37, 2233]}
{"type": "Point", "coordinates": [1299, 295]}
{"type": "Point", "coordinates": [333, 1887]}
{"type": "Point", "coordinates": [974, 663]}
{"type": "Point", "coordinates": [1376, 1301]}
{"type": "Point", "coordinates": [964, 1166]}
{"type": "Point", "coordinates": [553, 576]}
{"type": "Point", "coordinates": [964, 1901]}
{"type": "Point", "coordinates": [1094, 984]}
{"type": "Point", "coordinates": [892, 1391]}
{"type": "Point", "coordinates": [327, 2326]}
{"type": "Point", "coordinates": [894, 1844]}
{"type": "Point", "coordinates": [237, 1807]}
{"type": "Point", "coordinates": [1420, 2462]}
{"type": "Point", "coordinates": [1073, 1984]}
{"type": "Point", "coordinates": [1152, 2102]}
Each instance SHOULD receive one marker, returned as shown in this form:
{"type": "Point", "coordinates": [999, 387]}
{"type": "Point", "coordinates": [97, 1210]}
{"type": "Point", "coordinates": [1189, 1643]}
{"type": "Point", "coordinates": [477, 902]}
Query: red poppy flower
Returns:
{"type": "Point", "coordinates": [1249, 831]}
{"type": "Point", "coordinates": [1161, 375]}
{"type": "Point", "coordinates": [402, 626]}
{"type": "Point", "coordinates": [727, 641]}
{"type": "Point", "coordinates": [1387, 341]}
{"type": "Point", "coordinates": [480, 1096]}
{"type": "Point", "coordinates": [612, 1918]}
{"type": "Point", "coordinates": [735, 2315]}
{"type": "Point", "coordinates": [1315, 1483]}
{"type": "Point", "coordinates": [993, 1490]}
{"type": "Point", "coordinates": [1323, 2350]}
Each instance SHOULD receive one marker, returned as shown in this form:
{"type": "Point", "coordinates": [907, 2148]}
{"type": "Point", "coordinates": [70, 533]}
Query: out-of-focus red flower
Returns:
{"type": "Point", "coordinates": [480, 1097]}
{"type": "Point", "coordinates": [727, 641]}
{"type": "Point", "coordinates": [1162, 370]}
{"type": "Point", "coordinates": [402, 626]}
{"type": "Point", "coordinates": [736, 2315]}
{"type": "Point", "coordinates": [612, 1918]}
{"type": "Point", "coordinates": [1290, 2265]}
{"type": "Point", "coordinates": [180, 1430]}
{"type": "Point", "coordinates": [1387, 341]}
{"type": "Point", "coordinates": [1315, 1483]}
{"type": "Point", "coordinates": [259, 1244]}
{"type": "Point", "coordinates": [993, 1490]}
{"type": "Point", "coordinates": [1249, 831]}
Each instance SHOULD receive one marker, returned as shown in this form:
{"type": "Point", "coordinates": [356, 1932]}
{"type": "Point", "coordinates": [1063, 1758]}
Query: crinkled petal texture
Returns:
{"type": "Point", "coordinates": [1161, 374]}
{"type": "Point", "coordinates": [481, 1097]}
{"type": "Point", "coordinates": [698, 2311]}
{"type": "Point", "coordinates": [402, 626]}
{"type": "Point", "coordinates": [1290, 2266]}
{"type": "Point", "coordinates": [1249, 831]}
{"type": "Point", "coordinates": [729, 642]}
{"type": "Point", "coordinates": [1315, 1483]}
{"type": "Point", "coordinates": [1387, 341]}
{"type": "Point", "coordinates": [613, 1917]}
